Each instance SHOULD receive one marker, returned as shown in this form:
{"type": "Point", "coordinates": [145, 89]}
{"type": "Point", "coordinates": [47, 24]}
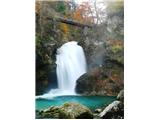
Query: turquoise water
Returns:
{"type": "Point", "coordinates": [92, 102]}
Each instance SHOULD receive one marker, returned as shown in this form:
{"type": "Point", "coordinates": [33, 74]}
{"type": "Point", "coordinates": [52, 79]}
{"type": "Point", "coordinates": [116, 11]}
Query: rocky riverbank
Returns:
{"type": "Point", "coordinates": [70, 110]}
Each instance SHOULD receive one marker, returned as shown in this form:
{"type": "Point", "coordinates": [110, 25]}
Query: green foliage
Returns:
{"type": "Point", "coordinates": [116, 48]}
{"type": "Point", "coordinates": [61, 7]}
{"type": "Point", "coordinates": [66, 104]}
{"type": "Point", "coordinates": [38, 41]}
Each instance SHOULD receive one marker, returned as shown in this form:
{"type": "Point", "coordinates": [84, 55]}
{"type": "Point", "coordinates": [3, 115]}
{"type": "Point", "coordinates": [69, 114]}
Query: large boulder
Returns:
{"type": "Point", "coordinates": [105, 80]}
{"type": "Point", "coordinates": [120, 96]}
{"type": "Point", "coordinates": [67, 111]}
{"type": "Point", "coordinates": [115, 110]}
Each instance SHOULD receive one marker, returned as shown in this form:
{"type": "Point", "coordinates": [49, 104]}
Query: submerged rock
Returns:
{"type": "Point", "coordinates": [38, 114]}
{"type": "Point", "coordinates": [68, 111]}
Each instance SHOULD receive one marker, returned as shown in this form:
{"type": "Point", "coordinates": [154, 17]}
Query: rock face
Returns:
{"type": "Point", "coordinates": [67, 111]}
{"type": "Point", "coordinates": [106, 80]}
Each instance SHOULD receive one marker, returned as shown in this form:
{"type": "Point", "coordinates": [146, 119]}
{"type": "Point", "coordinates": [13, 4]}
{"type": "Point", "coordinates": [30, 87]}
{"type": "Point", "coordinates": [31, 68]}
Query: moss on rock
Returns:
{"type": "Point", "coordinates": [106, 80]}
{"type": "Point", "coordinates": [67, 111]}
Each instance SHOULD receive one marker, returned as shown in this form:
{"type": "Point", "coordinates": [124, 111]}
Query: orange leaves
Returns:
{"type": "Point", "coordinates": [83, 13]}
{"type": "Point", "coordinates": [77, 15]}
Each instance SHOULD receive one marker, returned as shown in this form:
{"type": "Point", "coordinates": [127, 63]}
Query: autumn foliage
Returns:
{"type": "Point", "coordinates": [83, 13]}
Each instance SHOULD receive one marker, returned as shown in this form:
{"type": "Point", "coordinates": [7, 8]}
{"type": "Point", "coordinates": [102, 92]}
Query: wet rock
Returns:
{"type": "Point", "coordinates": [115, 110]}
{"type": "Point", "coordinates": [38, 114]}
{"type": "Point", "coordinates": [98, 110]}
{"type": "Point", "coordinates": [120, 96]}
{"type": "Point", "coordinates": [68, 111]}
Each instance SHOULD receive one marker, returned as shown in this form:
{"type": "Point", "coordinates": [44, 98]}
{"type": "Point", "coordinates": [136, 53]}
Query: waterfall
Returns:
{"type": "Point", "coordinates": [71, 64]}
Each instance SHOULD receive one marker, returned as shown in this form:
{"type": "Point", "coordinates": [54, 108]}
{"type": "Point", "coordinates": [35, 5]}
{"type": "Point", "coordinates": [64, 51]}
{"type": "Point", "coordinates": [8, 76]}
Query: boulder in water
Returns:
{"type": "Point", "coordinates": [68, 111]}
{"type": "Point", "coordinates": [115, 110]}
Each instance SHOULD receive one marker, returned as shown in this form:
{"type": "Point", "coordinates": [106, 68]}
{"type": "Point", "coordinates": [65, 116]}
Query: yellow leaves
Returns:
{"type": "Point", "coordinates": [64, 29]}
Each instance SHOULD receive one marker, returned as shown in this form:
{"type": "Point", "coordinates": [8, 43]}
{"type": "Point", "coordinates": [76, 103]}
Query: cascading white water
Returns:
{"type": "Point", "coordinates": [71, 64]}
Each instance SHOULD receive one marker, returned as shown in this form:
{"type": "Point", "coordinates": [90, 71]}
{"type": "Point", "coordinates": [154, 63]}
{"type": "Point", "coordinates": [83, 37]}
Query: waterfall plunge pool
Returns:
{"type": "Point", "coordinates": [91, 102]}
{"type": "Point", "coordinates": [71, 64]}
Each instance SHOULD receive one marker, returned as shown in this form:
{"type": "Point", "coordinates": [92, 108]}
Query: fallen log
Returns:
{"type": "Point", "coordinates": [70, 22]}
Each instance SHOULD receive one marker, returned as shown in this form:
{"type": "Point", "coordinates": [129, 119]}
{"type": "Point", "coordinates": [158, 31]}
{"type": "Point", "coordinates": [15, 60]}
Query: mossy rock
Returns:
{"type": "Point", "coordinates": [108, 80]}
{"type": "Point", "coordinates": [68, 111]}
